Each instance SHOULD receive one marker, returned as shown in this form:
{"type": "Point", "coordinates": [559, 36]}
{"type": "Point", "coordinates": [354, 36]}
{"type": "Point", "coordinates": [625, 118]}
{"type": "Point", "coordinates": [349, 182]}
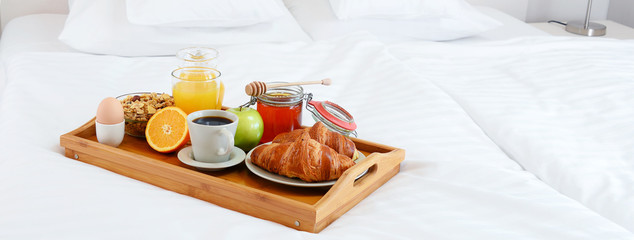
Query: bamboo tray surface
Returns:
{"type": "Point", "coordinates": [236, 188]}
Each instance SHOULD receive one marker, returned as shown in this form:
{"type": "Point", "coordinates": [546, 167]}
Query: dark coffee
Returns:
{"type": "Point", "coordinates": [212, 121]}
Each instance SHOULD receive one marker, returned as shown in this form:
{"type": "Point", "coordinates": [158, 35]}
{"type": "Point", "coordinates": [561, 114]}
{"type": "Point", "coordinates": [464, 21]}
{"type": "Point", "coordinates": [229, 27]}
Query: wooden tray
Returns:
{"type": "Point", "coordinates": [236, 188]}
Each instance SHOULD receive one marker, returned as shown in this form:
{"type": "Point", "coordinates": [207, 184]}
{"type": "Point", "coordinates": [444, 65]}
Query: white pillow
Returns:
{"type": "Point", "coordinates": [101, 26]}
{"type": "Point", "coordinates": [399, 9]}
{"type": "Point", "coordinates": [203, 13]}
{"type": "Point", "coordinates": [444, 20]}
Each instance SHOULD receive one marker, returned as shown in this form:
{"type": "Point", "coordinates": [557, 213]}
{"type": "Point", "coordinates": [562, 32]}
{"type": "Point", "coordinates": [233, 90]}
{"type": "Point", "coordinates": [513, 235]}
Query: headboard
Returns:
{"type": "Point", "coordinates": [10, 9]}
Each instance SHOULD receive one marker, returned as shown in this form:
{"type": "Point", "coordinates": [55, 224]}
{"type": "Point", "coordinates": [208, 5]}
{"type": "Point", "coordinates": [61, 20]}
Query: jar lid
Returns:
{"type": "Point", "coordinates": [332, 113]}
{"type": "Point", "coordinates": [197, 54]}
{"type": "Point", "coordinates": [283, 96]}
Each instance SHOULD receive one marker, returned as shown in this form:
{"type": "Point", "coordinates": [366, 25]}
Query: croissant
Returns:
{"type": "Point", "coordinates": [304, 158]}
{"type": "Point", "coordinates": [321, 134]}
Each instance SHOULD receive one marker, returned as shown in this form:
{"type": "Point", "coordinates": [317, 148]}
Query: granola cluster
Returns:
{"type": "Point", "coordinates": [138, 109]}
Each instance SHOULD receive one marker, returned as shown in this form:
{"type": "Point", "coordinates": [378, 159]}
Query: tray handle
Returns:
{"type": "Point", "coordinates": [349, 190]}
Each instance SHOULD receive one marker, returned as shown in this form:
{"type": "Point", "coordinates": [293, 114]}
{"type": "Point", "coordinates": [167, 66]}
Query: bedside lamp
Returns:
{"type": "Point", "coordinates": [586, 27]}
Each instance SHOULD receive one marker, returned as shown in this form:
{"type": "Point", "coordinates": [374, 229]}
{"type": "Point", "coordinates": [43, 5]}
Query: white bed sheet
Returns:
{"type": "Point", "coordinates": [561, 107]}
{"type": "Point", "coordinates": [455, 183]}
{"type": "Point", "coordinates": [511, 28]}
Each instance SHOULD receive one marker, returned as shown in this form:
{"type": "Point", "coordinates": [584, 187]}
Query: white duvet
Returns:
{"type": "Point", "coordinates": [562, 108]}
{"type": "Point", "coordinates": [455, 182]}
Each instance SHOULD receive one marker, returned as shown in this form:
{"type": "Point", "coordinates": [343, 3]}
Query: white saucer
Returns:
{"type": "Point", "coordinates": [186, 156]}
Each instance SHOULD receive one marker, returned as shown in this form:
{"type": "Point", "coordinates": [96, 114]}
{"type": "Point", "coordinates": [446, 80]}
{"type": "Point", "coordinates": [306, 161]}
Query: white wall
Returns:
{"type": "Point", "coordinates": [562, 10]}
{"type": "Point", "coordinates": [22, 7]}
{"type": "Point", "coordinates": [566, 10]}
{"type": "Point", "coordinates": [621, 11]}
{"type": "Point", "coordinates": [515, 8]}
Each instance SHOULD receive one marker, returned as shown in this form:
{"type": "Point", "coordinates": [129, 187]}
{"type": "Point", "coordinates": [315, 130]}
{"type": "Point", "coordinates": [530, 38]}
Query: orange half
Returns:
{"type": "Point", "coordinates": [167, 130]}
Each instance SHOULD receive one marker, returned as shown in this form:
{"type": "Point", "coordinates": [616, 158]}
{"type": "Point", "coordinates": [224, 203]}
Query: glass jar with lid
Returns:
{"type": "Point", "coordinates": [281, 110]}
{"type": "Point", "coordinates": [196, 83]}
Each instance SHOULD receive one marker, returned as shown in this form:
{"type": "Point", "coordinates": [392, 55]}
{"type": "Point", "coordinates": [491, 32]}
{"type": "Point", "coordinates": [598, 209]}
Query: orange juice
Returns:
{"type": "Point", "coordinates": [197, 88]}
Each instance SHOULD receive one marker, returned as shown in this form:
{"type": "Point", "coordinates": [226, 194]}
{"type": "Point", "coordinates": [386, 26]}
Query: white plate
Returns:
{"type": "Point", "coordinates": [186, 156]}
{"type": "Point", "coordinates": [291, 181]}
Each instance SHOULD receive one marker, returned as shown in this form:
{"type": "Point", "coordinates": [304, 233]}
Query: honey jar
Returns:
{"type": "Point", "coordinates": [281, 110]}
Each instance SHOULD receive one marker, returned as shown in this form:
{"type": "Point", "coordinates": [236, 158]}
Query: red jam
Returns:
{"type": "Point", "coordinates": [281, 110]}
{"type": "Point", "coordinates": [279, 119]}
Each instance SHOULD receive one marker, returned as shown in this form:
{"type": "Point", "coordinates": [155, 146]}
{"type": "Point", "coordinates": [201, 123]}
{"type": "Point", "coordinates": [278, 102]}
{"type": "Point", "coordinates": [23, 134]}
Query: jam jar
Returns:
{"type": "Point", "coordinates": [281, 110]}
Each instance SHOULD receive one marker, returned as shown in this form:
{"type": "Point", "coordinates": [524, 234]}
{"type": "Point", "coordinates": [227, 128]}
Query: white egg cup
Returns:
{"type": "Point", "coordinates": [110, 134]}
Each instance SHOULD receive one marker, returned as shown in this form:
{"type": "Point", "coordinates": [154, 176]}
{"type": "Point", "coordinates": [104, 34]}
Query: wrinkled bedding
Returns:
{"type": "Point", "coordinates": [560, 107]}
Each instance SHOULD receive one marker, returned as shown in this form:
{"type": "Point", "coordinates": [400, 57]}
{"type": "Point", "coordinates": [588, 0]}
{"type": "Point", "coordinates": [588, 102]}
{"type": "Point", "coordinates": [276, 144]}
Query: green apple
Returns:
{"type": "Point", "coordinates": [250, 128]}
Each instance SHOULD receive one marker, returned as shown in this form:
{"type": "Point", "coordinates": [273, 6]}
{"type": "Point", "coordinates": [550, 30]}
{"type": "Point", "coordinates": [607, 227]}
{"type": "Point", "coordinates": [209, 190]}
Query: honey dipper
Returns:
{"type": "Point", "coordinates": [258, 88]}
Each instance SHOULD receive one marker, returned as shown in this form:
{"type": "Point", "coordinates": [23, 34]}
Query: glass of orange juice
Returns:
{"type": "Point", "coordinates": [197, 88]}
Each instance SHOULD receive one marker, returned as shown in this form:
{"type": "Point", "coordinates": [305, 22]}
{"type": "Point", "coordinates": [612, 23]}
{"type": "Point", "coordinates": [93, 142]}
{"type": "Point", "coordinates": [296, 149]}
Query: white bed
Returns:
{"type": "Point", "coordinates": [566, 119]}
{"type": "Point", "coordinates": [463, 176]}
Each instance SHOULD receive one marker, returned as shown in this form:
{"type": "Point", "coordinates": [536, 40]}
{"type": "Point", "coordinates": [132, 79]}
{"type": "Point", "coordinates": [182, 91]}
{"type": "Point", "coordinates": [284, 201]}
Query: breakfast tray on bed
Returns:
{"type": "Point", "coordinates": [236, 188]}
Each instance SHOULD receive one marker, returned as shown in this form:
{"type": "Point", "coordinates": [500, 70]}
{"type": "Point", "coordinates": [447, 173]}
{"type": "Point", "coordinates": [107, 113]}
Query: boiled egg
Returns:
{"type": "Point", "coordinates": [110, 111]}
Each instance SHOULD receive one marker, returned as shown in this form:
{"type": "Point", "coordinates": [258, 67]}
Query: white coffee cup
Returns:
{"type": "Point", "coordinates": [212, 143]}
